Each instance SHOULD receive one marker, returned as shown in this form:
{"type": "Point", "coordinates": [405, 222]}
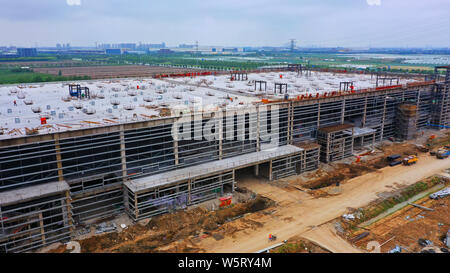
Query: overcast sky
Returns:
{"type": "Point", "coordinates": [363, 23]}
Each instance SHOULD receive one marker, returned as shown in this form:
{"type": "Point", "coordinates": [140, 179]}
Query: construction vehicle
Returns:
{"type": "Point", "coordinates": [412, 159]}
{"type": "Point", "coordinates": [272, 237]}
{"type": "Point", "coordinates": [443, 152]}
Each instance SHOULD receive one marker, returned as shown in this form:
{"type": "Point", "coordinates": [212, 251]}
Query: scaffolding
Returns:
{"type": "Point", "coordinates": [179, 195]}
{"type": "Point", "coordinates": [336, 142]}
{"type": "Point", "coordinates": [161, 193]}
{"type": "Point", "coordinates": [75, 90]}
{"type": "Point", "coordinates": [288, 166]}
{"type": "Point", "coordinates": [261, 83]}
{"type": "Point", "coordinates": [34, 217]}
{"type": "Point", "coordinates": [440, 108]}
{"type": "Point", "coordinates": [238, 76]}
{"type": "Point", "coordinates": [295, 68]}
{"type": "Point", "coordinates": [406, 121]}
{"type": "Point", "coordinates": [280, 88]}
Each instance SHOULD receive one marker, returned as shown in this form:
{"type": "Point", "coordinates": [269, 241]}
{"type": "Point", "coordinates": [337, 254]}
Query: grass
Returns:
{"type": "Point", "coordinates": [402, 196]}
{"type": "Point", "coordinates": [290, 248]}
{"type": "Point", "coordinates": [11, 76]}
{"type": "Point", "coordinates": [204, 61]}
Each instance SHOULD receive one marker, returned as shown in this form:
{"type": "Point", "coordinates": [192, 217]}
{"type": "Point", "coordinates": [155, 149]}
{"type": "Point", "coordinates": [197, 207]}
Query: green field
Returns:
{"type": "Point", "coordinates": [11, 76]}
{"type": "Point", "coordinates": [10, 72]}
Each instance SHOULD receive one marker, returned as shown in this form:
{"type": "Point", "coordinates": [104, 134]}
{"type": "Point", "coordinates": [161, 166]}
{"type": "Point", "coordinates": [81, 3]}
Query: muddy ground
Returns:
{"type": "Point", "coordinates": [342, 172]}
{"type": "Point", "coordinates": [176, 232]}
{"type": "Point", "coordinates": [404, 227]}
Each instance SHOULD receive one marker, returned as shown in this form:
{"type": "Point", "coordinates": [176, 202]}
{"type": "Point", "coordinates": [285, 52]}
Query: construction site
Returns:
{"type": "Point", "coordinates": [165, 150]}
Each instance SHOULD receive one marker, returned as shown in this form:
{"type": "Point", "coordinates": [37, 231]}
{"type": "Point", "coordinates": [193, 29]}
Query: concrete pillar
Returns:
{"type": "Point", "coordinates": [373, 141]}
{"type": "Point", "coordinates": [353, 137]}
{"type": "Point", "coordinates": [365, 112]}
{"type": "Point", "coordinates": [234, 179]}
{"type": "Point", "coordinates": [318, 116]}
{"type": "Point", "coordinates": [58, 158]}
{"type": "Point", "coordinates": [123, 158]}
{"type": "Point", "coordinates": [343, 112]}
{"type": "Point", "coordinates": [69, 211]}
{"type": "Point", "coordinates": [123, 155]}
{"type": "Point", "coordinates": [136, 210]}
{"type": "Point", "coordinates": [270, 171]}
{"type": "Point", "coordinates": [292, 123]}
{"type": "Point", "coordinates": [289, 132]}
{"type": "Point", "coordinates": [175, 152]}
{"type": "Point", "coordinates": [384, 117]}
{"type": "Point", "coordinates": [41, 225]}
{"type": "Point", "coordinates": [258, 129]}
{"type": "Point", "coordinates": [256, 170]}
{"type": "Point", "coordinates": [220, 124]}
{"type": "Point", "coordinates": [189, 191]}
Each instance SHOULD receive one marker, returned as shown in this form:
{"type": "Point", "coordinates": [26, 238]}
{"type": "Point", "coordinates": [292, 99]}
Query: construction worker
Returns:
{"type": "Point", "coordinates": [15, 103]}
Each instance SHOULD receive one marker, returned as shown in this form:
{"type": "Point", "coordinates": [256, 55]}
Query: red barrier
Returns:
{"type": "Point", "coordinates": [388, 87]}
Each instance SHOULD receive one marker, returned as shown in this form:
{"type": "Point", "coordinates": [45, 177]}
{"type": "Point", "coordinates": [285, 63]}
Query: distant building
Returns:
{"type": "Point", "coordinates": [234, 49]}
{"type": "Point", "coordinates": [185, 46]}
{"type": "Point", "coordinates": [130, 46]}
{"type": "Point", "coordinates": [26, 52]}
{"type": "Point", "coordinates": [154, 46]}
{"type": "Point", "coordinates": [113, 51]}
{"type": "Point", "coordinates": [62, 46]}
{"type": "Point", "coordinates": [104, 46]}
{"type": "Point", "coordinates": [135, 52]}
{"type": "Point", "coordinates": [165, 51]}
{"type": "Point", "coordinates": [85, 51]}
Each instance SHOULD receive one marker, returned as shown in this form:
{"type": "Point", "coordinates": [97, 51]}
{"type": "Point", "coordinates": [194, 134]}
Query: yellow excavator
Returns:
{"type": "Point", "coordinates": [412, 159]}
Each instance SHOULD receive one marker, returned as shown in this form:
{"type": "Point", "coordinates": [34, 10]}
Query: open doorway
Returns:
{"type": "Point", "coordinates": [244, 174]}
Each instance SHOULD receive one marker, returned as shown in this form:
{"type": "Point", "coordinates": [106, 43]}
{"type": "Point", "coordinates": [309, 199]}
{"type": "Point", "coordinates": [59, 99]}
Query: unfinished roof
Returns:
{"type": "Point", "coordinates": [121, 101]}
{"type": "Point", "coordinates": [111, 102]}
{"type": "Point", "coordinates": [298, 84]}
{"type": "Point", "coordinates": [210, 168]}
{"type": "Point", "coordinates": [32, 192]}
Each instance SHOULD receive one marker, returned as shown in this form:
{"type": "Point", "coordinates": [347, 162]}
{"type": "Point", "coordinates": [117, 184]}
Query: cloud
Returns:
{"type": "Point", "coordinates": [73, 2]}
{"type": "Point", "coordinates": [374, 2]}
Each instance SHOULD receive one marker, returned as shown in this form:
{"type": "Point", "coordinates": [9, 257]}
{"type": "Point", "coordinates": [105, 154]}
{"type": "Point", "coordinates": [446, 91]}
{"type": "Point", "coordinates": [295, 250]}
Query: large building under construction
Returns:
{"type": "Point", "coordinates": [58, 176]}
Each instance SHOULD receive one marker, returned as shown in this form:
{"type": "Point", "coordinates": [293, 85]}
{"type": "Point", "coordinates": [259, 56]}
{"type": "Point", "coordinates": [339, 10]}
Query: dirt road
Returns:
{"type": "Point", "coordinates": [297, 212]}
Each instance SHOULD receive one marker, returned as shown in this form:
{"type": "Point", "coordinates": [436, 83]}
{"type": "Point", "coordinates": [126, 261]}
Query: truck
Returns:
{"type": "Point", "coordinates": [412, 159]}
{"type": "Point", "coordinates": [443, 152]}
